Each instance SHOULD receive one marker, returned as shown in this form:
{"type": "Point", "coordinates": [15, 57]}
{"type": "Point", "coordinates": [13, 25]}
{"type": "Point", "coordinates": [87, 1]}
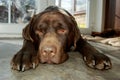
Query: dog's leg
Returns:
{"type": "Point", "coordinates": [92, 57]}
{"type": "Point", "coordinates": [26, 58]}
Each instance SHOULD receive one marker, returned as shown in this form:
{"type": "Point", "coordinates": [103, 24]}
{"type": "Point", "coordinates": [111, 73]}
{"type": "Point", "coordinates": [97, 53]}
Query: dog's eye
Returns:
{"type": "Point", "coordinates": [40, 32]}
{"type": "Point", "coordinates": [62, 31]}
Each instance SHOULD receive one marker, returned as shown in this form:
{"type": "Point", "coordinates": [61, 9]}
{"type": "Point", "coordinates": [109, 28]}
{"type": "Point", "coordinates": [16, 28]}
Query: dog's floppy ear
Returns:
{"type": "Point", "coordinates": [28, 32]}
{"type": "Point", "coordinates": [76, 31]}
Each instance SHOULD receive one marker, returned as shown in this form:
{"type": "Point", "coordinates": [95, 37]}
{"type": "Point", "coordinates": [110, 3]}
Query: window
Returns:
{"type": "Point", "coordinates": [80, 5]}
{"type": "Point", "coordinates": [76, 7]}
{"type": "Point", "coordinates": [66, 4]}
{"type": "Point", "coordinates": [16, 11]}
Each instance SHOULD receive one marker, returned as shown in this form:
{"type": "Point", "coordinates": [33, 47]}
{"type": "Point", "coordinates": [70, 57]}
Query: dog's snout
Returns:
{"type": "Point", "coordinates": [48, 51]}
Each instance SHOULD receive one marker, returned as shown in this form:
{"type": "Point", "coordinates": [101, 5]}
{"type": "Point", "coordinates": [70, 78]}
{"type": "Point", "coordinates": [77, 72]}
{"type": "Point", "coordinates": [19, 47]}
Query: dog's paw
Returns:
{"type": "Point", "coordinates": [24, 60]}
{"type": "Point", "coordinates": [98, 61]}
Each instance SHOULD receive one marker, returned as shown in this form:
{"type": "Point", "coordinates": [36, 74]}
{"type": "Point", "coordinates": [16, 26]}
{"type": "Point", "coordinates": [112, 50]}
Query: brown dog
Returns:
{"type": "Point", "coordinates": [109, 33]}
{"type": "Point", "coordinates": [49, 36]}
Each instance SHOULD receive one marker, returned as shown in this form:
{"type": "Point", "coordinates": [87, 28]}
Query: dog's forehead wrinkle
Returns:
{"type": "Point", "coordinates": [53, 20]}
{"type": "Point", "coordinates": [53, 15]}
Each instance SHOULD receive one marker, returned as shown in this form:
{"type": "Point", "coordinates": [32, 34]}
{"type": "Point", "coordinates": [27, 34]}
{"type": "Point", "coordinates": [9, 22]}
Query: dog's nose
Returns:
{"type": "Point", "coordinates": [48, 51]}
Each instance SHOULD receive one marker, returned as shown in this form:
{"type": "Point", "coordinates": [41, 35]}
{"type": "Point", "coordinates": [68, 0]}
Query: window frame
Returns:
{"type": "Point", "coordinates": [29, 12]}
{"type": "Point", "coordinates": [73, 7]}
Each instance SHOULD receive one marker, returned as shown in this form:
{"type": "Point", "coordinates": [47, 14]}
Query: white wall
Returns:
{"type": "Point", "coordinates": [97, 15]}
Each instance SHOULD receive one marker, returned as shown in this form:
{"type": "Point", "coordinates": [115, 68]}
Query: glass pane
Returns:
{"type": "Point", "coordinates": [81, 15]}
{"type": "Point", "coordinates": [3, 11]}
{"type": "Point", "coordinates": [57, 2]}
{"type": "Point", "coordinates": [81, 5]}
{"type": "Point", "coordinates": [22, 10]}
{"type": "Point", "coordinates": [81, 20]}
{"type": "Point", "coordinates": [67, 4]}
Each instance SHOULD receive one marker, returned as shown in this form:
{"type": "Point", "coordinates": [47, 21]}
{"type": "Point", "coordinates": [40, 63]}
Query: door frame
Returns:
{"type": "Point", "coordinates": [110, 14]}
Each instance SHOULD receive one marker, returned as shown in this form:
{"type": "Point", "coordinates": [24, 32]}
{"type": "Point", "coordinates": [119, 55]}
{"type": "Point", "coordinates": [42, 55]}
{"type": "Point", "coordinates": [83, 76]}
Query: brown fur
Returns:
{"type": "Point", "coordinates": [50, 35]}
{"type": "Point", "coordinates": [109, 33]}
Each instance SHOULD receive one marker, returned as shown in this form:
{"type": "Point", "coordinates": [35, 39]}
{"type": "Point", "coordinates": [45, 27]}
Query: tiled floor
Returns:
{"type": "Point", "coordinates": [73, 69]}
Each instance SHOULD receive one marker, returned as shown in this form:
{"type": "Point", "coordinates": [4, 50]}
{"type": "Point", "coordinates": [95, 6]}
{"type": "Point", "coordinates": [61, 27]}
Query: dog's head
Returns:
{"type": "Point", "coordinates": [55, 30]}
